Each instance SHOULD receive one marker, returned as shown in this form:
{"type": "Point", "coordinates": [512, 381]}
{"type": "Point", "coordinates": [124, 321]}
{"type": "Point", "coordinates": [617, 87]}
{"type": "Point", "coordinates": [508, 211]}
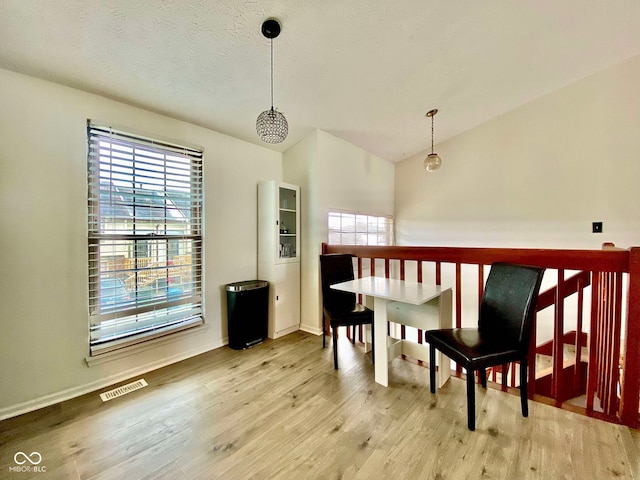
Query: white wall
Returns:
{"type": "Point", "coordinates": [299, 167]}
{"type": "Point", "coordinates": [537, 176]}
{"type": "Point", "coordinates": [43, 237]}
{"type": "Point", "coordinates": [352, 179]}
{"type": "Point", "coordinates": [336, 175]}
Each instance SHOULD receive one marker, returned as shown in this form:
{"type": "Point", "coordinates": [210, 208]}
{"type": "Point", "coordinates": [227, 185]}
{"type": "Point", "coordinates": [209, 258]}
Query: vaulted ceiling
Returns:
{"type": "Point", "coordinates": [366, 71]}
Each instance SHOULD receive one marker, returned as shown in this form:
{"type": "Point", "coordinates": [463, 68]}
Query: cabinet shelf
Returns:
{"type": "Point", "coordinates": [288, 210]}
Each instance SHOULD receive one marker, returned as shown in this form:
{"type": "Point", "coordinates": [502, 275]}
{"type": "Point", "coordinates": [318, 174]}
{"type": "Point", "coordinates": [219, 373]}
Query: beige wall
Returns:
{"type": "Point", "coordinates": [43, 237]}
{"type": "Point", "coordinates": [299, 167]}
{"type": "Point", "coordinates": [335, 175]}
{"type": "Point", "coordinates": [537, 176]}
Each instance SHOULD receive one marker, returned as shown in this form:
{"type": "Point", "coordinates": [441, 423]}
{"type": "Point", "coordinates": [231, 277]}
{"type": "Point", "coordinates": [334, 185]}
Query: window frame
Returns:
{"type": "Point", "coordinates": [388, 231]}
{"type": "Point", "coordinates": [166, 184]}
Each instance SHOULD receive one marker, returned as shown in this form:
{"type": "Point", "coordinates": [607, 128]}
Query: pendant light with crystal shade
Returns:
{"type": "Point", "coordinates": [433, 161]}
{"type": "Point", "coordinates": [271, 125]}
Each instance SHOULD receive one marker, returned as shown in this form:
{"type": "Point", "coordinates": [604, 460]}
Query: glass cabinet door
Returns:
{"type": "Point", "coordinates": [288, 222]}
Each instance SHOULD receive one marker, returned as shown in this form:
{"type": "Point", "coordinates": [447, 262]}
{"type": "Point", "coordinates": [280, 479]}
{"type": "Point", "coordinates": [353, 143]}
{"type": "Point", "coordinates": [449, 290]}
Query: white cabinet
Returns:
{"type": "Point", "coordinates": [279, 253]}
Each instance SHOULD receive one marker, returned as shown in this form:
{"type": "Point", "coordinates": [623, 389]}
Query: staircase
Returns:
{"type": "Point", "coordinates": [574, 368]}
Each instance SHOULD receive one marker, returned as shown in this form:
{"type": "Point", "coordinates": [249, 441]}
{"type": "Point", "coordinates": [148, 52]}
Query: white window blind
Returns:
{"type": "Point", "coordinates": [145, 238]}
{"type": "Point", "coordinates": [348, 228]}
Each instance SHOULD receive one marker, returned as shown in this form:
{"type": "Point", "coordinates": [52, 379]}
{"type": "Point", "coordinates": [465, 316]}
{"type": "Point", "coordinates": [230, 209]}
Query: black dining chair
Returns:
{"type": "Point", "coordinates": [504, 329]}
{"type": "Point", "coordinates": [340, 308]}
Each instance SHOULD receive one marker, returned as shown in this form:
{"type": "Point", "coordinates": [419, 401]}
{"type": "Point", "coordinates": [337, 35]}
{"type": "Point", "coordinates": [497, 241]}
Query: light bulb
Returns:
{"type": "Point", "coordinates": [432, 162]}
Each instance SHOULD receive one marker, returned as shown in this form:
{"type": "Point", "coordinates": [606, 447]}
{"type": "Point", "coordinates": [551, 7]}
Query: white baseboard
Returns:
{"type": "Point", "coordinates": [57, 397]}
{"type": "Point", "coordinates": [313, 330]}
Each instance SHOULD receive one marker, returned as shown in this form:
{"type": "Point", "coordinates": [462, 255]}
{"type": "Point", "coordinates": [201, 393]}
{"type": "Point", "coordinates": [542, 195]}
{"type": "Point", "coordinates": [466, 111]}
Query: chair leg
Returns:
{"type": "Point", "coordinates": [505, 371]}
{"type": "Point", "coordinates": [353, 334]}
{"type": "Point", "coordinates": [335, 346]}
{"type": "Point", "coordinates": [523, 388]}
{"type": "Point", "coordinates": [483, 377]}
{"type": "Point", "coordinates": [432, 368]}
{"type": "Point", "coordinates": [324, 332]}
{"type": "Point", "coordinates": [471, 400]}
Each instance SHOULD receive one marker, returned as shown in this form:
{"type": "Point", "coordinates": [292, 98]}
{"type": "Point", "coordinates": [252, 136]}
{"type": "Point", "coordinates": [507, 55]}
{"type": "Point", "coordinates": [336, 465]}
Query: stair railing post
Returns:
{"type": "Point", "coordinates": [630, 381]}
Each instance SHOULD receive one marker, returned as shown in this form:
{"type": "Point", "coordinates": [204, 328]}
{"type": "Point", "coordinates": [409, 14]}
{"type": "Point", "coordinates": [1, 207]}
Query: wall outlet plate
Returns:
{"type": "Point", "coordinates": [596, 227]}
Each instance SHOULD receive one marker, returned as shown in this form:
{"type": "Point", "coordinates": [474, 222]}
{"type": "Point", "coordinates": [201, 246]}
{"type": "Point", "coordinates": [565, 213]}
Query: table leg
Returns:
{"type": "Point", "coordinates": [380, 332]}
{"type": "Point", "coordinates": [445, 321]}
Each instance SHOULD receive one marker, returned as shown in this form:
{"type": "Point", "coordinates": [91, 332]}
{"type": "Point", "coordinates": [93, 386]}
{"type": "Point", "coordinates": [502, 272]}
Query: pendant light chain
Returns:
{"type": "Point", "coordinates": [432, 133]}
{"type": "Point", "coordinates": [271, 40]}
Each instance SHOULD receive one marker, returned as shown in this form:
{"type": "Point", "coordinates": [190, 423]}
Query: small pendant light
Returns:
{"type": "Point", "coordinates": [433, 161]}
{"type": "Point", "coordinates": [271, 125]}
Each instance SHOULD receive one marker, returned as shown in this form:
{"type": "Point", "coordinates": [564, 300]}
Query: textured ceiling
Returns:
{"type": "Point", "coordinates": [363, 70]}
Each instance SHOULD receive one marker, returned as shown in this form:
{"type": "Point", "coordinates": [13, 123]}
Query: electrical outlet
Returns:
{"type": "Point", "coordinates": [596, 227]}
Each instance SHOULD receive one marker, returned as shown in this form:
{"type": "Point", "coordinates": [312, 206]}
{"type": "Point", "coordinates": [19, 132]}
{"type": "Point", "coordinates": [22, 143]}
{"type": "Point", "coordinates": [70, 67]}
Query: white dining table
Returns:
{"type": "Point", "coordinates": [420, 305]}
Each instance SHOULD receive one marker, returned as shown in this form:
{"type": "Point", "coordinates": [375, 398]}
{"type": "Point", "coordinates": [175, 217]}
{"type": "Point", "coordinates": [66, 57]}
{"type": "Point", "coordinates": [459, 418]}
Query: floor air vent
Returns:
{"type": "Point", "coordinates": [123, 390]}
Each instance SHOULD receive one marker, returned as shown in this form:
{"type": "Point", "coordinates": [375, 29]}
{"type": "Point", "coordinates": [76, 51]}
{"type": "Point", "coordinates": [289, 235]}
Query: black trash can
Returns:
{"type": "Point", "coordinates": [247, 313]}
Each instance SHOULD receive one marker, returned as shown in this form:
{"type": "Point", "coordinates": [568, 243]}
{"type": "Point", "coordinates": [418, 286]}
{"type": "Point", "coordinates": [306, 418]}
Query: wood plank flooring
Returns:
{"type": "Point", "coordinates": [280, 411]}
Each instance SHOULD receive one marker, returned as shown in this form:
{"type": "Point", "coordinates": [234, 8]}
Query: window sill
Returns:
{"type": "Point", "coordinates": [144, 346]}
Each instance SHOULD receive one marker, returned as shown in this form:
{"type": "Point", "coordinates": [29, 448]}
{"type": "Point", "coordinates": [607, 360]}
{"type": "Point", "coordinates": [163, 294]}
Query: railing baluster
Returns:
{"type": "Point", "coordinates": [458, 305]}
{"type": "Point", "coordinates": [480, 284]}
{"type": "Point", "coordinates": [403, 328]}
{"type": "Point", "coordinates": [604, 386]}
{"type": "Point", "coordinates": [577, 368]}
{"type": "Point", "coordinates": [359, 276]}
{"type": "Point", "coordinates": [558, 339]}
{"type": "Point", "coordinates": [611, 361]}
{"type": "Point", "coordinates": [419, 277]}
{"type": "Point", "coordinates": [458, 296]}
{"type": "Point", "coordinates": [592, 367]}
{"type": "Point", "coordinates": [615, 337]}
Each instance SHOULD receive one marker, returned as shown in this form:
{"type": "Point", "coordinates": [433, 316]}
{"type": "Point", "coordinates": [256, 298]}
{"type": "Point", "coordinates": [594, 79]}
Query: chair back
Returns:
{"type": "Point", "coordinates": [509, 303]}
{"type": "Point", "coordinates": [336, 268]}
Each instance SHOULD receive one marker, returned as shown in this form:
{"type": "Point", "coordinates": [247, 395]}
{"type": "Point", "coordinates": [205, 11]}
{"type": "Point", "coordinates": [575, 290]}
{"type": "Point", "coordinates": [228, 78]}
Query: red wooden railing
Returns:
{"type": "Point", "coordinates": [609, 380]}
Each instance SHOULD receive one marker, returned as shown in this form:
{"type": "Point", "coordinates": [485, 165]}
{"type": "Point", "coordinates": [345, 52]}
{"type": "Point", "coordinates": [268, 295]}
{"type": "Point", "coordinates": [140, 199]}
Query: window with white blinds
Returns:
{"type": "Point", "coordinates": [348, 228]}
{"type": "Point", "coordinates": [145, 238]}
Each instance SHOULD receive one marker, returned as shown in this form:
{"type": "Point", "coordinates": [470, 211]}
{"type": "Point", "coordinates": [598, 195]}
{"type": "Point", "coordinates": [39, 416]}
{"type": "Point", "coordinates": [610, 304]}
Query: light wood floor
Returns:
{"type": "Point", "coordinates": [280, 411]}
